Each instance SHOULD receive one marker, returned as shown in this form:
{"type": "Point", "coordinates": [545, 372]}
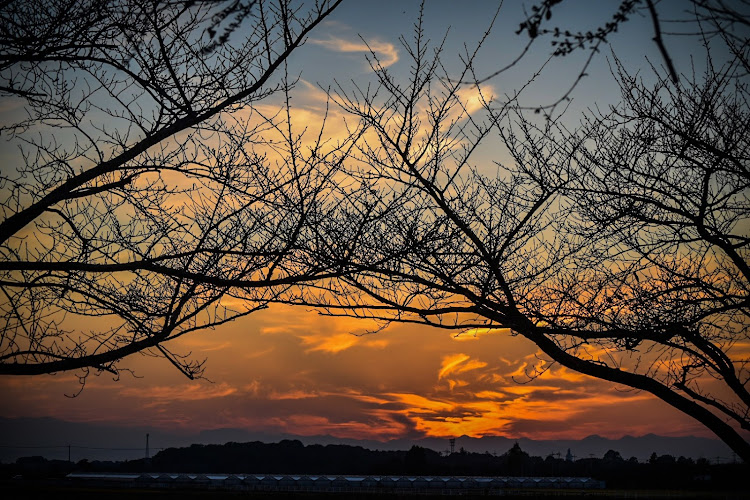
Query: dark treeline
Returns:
{"type": "Point", "coordinates": [292, 457]}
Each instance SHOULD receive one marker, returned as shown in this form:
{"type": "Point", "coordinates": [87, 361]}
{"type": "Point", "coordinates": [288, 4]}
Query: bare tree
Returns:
{"type": "Point", "coordinates": [707, 18]}
{"type": "Point", "coordinates": [663, 190]}
{"type": "Point", "coordinates": [620, 249]}
{"type": "Point", "coordinates": [153, 194]}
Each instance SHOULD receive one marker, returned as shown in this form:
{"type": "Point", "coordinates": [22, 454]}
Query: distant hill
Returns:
{"type": "Point", "coordinates": [50, 438]}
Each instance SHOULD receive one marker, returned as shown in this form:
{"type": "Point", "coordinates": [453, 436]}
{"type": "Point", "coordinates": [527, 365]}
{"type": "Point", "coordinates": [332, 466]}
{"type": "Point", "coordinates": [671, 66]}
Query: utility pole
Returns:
{"type": "Point", "coordinates": [68, 453]}
{"type": "Point", "coordinates": [147, 455]}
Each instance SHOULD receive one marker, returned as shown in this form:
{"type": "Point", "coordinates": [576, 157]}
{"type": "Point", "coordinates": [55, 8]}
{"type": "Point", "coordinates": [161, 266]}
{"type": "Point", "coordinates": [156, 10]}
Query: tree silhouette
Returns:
{"type": "Point", "coordinates": [145, 186]}
{"type": "Point", "coordinates": [620, 249]}
{"type": "Point", "coordinates": [714, 18]}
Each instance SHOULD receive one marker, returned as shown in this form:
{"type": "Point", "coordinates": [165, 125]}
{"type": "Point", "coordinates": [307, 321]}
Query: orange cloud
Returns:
{"type": "Point", "coordinates": [474, 98]}
{"type": "Point", "coordinates": [186, 392]}
{"type": "Point", "coordinates": [312, 425]}
{"type": "Point", "coordinates": [386, 52]}
{"type": "Point", "coordinates": [379, 386]}
{"type": "Point", "coordinates": [439, 418]}
{"type": "Point", "coordinates": [491, 395]}
{"type": "Point", "coordinates": [252, 388]}
{"type": "Point", "coordinates": [457, 363]}
{"type": "Point", "coordinates": [450, 363]}
{"type": "Point", "coordinates": [367, 398]}
{"type": "Point", "coordinates": [415, 402]}
{"type": "Point", "coordinates": [334, 343]}
{"type": "Point", "coordinates": [294, 394]}
{"type": "Point", "coordinates": [329, 343]}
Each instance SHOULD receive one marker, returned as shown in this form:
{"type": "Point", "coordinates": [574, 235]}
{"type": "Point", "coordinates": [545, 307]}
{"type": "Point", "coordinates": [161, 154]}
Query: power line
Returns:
{"type": "Point", "coordinates": [50, 447]}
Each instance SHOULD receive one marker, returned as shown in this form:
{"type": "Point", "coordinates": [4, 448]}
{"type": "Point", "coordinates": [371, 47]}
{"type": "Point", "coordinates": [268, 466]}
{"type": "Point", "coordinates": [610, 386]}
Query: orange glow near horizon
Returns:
{"type": "Point", "coordinates": [286, 370]}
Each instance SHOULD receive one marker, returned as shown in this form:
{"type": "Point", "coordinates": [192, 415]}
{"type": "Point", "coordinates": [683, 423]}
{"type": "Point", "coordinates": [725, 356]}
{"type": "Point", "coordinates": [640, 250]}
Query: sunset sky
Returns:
{"type": "Point", "coordinates": [290, 370]}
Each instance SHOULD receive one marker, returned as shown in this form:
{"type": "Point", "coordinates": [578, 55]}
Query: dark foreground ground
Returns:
{"type": "Point", "coordinates": [62, 490]}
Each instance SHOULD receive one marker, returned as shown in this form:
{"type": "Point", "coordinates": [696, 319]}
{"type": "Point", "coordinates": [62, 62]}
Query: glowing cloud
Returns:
{"type": "Point", "coordinates": [457, 363]}
{"type": "Point", "coordinates": [386, 52]}
{"type": "Point", "coordinates": [450, 363]}
{"type": "Point", "coordinates": [474, 98]}
{"type": "Point", "coordinates": [329, 343]}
